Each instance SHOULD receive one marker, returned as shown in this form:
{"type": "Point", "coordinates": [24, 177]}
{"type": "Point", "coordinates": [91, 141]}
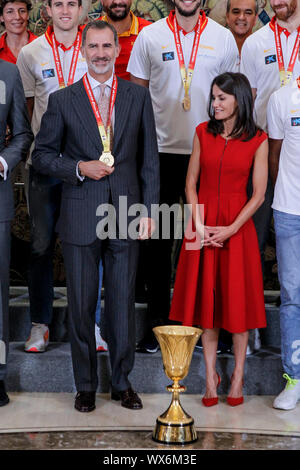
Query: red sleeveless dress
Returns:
{"type": "Point", "coordinates": [222, 287]}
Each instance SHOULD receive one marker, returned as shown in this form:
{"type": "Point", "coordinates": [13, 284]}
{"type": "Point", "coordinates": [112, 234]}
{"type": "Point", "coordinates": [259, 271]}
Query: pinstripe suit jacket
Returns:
{"type": "Point", "coordinates": [69, 133]}
{"type": "Point", "coordinates": [13, 112]}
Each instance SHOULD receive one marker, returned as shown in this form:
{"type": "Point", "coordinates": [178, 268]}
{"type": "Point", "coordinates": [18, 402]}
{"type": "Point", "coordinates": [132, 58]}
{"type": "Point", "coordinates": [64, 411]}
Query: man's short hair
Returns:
{"type": "Point", "coordinates": [99, 24]}
{"type": "Point", "coordinates": [5, 2]}
{"type": "Point", "coordinates": [50, 3]}
{"type": "Point", "coordinates": [229, 5]}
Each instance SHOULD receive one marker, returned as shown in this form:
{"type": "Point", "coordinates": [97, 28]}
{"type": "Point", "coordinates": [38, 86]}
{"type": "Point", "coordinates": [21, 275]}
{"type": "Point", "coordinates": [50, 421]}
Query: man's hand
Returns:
{"type": "Point", "coordinates": [1, 168]}
{"type": "Point", "coordinates": [95, 169]}
{"type": "Point", "coordinates": [147, 227]}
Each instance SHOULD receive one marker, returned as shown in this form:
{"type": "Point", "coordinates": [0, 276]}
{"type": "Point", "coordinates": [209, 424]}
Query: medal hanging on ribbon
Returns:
{"type": "Point", "coordinates": [106, 156]}
{"type": "Point", "coordinates": [74, 61]}
{"type": "Point", "coordinates": [285, 75]}
{"type": "Point", "coordinates": [187, 74]}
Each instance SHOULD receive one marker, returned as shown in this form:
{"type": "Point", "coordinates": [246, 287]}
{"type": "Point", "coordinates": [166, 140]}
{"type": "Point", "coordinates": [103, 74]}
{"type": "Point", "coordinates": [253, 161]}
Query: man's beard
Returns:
{"type": "Point", "coordinates": [100, 69]}
{"type": "Point", "coordinates": [185, 13]}
{"type": "Point", "coordinates": [117, 17]}
{"type": "Point", "coordinates": [290, 10]}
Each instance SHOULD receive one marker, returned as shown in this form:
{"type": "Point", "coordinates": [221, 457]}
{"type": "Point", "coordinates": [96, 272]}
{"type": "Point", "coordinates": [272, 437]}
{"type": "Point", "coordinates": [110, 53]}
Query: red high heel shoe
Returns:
{"type": "Point", "coordinates": [214, 400]}
{"type": "Point", "coordinates": [232, 401]}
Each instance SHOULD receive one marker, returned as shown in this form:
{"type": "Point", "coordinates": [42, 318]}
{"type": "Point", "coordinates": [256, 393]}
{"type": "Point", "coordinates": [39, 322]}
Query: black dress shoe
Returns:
{"type": "Point", "coordinates": [129, 399]}
{"type": "Point", "coordinates": [4, 400]}
{"type": "Point", "coordinates": [85, 401]}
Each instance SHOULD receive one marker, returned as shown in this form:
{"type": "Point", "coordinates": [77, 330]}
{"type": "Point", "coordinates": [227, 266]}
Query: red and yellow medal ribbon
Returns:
{"type": "Point", "coordinates": [73, 65]}
{"type": "Point", "coordinates": [187, 74]}
{"type": "Point", "coordinates": [285, 75]}
{"type": "Point", "coordinates": [104, 134]}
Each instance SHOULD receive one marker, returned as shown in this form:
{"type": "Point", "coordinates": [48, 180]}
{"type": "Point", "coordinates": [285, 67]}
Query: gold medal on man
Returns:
{"type": "Point", "coordinates": [186, 103]}
{"type": "Point", "coordinates": [107, 158]}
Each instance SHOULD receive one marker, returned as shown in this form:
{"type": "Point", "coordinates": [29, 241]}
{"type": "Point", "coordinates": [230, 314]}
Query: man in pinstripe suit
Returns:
{"type": "Point", "coordinates": [68, 147]}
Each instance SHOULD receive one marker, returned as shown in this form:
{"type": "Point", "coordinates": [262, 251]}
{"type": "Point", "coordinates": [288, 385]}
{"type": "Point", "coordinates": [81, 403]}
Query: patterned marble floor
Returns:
{"type": "Point", "coordinates": [42, 412]}
{"type": "Point", "coordinates": [142, 440]}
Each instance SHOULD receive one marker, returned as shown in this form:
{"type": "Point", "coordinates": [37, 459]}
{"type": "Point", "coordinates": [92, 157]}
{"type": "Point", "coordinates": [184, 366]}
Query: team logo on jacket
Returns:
{"type": "Point", "coordinates": [48, 73]}
{"type": "Point", "coordinates": [270, 59]}
{"type": "Point", "coordinates": [295, 121]}
{"type": "Point", "coordinates": [167, 56]}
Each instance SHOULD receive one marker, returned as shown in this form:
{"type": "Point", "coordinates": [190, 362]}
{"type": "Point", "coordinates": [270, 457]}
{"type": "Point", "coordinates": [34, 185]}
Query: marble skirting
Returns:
{"type": "Point", "coordinates": [52, 412]}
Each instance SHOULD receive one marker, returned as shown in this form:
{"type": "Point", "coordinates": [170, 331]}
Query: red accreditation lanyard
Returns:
{"type": "Point", "coordinates": [187, 74]}
{"type": "Point", "coordinates": [285, 75]}
{"type": "Point", "coordinates": [298, 82]}
{"type": "Point", "coordinates": [104, 134]}
{"type": "Point", "coordinates": [74, 61]}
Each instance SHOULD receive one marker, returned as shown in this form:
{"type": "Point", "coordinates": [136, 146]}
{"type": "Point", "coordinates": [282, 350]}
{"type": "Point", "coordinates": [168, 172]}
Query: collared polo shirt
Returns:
{"type": "Point", "coordinates": [5, 52]}
{"type": "Point", "coordinates": [38, 72]}
{"type": "Point", "coordinates": [126, 41]}
{"type": "Point", "coordinates": [259, 63]}
{"type": "Point", "coordinates": [283, 116]}
{"type": "Point", "coordinates": [154, 58]}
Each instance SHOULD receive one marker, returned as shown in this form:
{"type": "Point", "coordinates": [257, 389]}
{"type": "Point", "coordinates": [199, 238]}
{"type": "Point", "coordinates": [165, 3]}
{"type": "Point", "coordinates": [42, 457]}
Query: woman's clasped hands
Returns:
{"type": "Point", "coordinates": [216, 236]}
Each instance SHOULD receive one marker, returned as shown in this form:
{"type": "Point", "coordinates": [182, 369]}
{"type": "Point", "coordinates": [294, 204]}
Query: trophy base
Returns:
{"type": "Point", "coordinates": [174, 434]}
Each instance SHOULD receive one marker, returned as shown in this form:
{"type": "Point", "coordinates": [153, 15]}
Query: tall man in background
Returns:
{"type": "Point", "coordinates": [207, 49]}
{"type": "Point", "coordinates": [284, 131]}
{"type": "Point", "coordinates": [270, 60]}
{"type": "Point", "coordinates": [50, 62]}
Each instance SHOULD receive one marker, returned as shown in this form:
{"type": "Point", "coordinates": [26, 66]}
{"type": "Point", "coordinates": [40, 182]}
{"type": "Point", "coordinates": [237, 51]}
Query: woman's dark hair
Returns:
{"type": "Point", "coordinates": [237, 85]}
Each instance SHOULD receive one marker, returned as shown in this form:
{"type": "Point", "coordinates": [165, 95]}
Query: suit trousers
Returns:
{"type": "Point", "coordinates": [4, 295]}
{"type": "Point", "coordinates": [82, 272]}
{"type": "Point", "coordinates": [262, 218]}
{"type": "Point", "coordinates": [44, 197]}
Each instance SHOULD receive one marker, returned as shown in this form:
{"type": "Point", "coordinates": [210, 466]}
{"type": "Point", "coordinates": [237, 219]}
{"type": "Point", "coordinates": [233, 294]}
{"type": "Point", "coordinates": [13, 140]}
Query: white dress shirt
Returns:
{"type": "Point", "coordinates": [3, 173]}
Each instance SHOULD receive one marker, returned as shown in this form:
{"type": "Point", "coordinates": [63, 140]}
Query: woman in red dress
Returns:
{"type": "Point", "coordinates": [221, 285]}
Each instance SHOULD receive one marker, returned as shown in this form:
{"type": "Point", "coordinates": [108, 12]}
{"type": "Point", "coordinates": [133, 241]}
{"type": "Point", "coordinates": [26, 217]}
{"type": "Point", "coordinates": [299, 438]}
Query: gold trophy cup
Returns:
{"type": "Point", "coordinates": [177, 345]}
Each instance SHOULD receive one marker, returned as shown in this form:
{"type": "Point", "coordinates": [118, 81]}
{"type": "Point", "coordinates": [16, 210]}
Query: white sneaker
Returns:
{"type": "Point", "coordinates": [254, 342]}
{"type": "Point", "coordinates": [288, 398]}
{"type": "Point", "coordinates": [38, 339]}
{"type": "Point", "coordinates": [101, 345]}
